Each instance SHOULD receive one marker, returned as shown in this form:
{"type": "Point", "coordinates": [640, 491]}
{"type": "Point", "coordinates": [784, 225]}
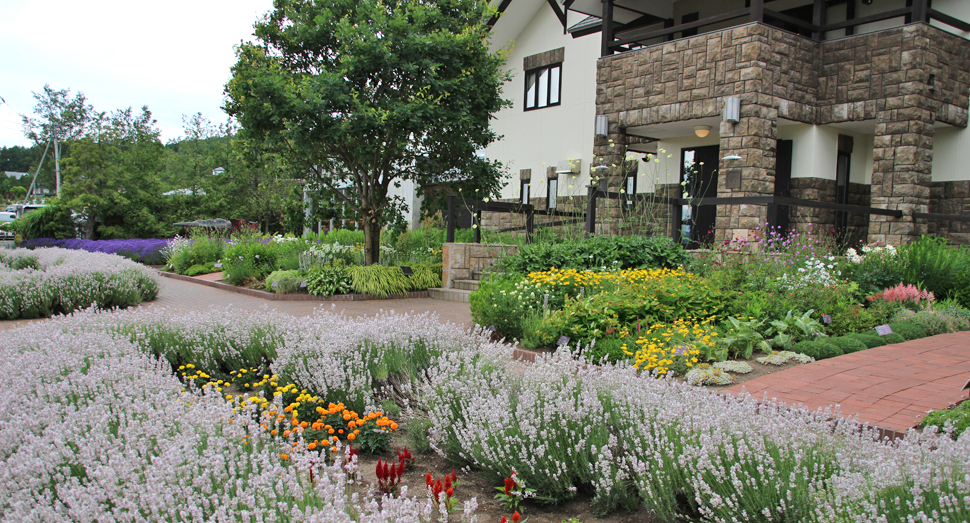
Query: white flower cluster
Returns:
{"type": "Point", "coordinates": [737, 367]}
{"type": "Point", "coordinates": [175, 246]}
{"type": "Point", "coordinates": [67, 280]}
{"type": "Point", "coordinates": [872, 248]}
{"type": "Point", "coordinates": [708, 376]}
{"type": "Point", "coordinates": [815, 272]}
{"type": "Point", "coordinates": [279, 238]}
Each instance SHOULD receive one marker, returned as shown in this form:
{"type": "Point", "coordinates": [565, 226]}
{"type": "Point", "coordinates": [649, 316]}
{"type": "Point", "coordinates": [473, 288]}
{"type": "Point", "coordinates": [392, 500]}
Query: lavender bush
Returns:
{"type": "Point", "coordinates": [46, 281]}
{"type": "Point", "coordinates": [91, 422]}
{"type": "Point", "coordinates": [94, 429]}
{"type": "Point", "coordinates": [147, 251]}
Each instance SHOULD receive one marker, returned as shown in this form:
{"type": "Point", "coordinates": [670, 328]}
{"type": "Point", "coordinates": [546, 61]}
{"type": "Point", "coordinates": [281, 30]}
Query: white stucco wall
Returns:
{"type": "Point", "coordinates": [815, 151]}
{"type": "Point", "coordinates": [543, 137]}
{"type": "Point", "coordinates": [951, 154]}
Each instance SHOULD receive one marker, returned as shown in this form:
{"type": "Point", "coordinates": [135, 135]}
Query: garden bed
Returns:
{"type": "Point", "coordinates": [266, 295]}
{"type": "Point", "coordinates": [637, 446]}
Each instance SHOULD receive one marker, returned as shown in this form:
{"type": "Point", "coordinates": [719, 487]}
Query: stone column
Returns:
{"type": "Point", "coordinates": [609, 152]}
{"type": "Point", "coordinates": [754, 139]}
{"type": "Point", "coordinates": [902, 167]}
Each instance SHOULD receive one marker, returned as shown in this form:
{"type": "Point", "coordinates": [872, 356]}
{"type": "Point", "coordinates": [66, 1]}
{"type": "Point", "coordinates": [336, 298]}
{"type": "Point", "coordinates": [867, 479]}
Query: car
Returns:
{"type": "Point", "coordinates": [6, 216]}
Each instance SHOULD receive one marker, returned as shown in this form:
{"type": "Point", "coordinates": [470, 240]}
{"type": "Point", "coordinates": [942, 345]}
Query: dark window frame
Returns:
{"type": "Point", "coordinates": [552, 195]}
{"type": "Point", "coordinates": [535, 102]}
{"type": "Point", "coordinates": [524, 191]}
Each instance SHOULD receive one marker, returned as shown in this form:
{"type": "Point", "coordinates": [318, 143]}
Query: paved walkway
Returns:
{"type": "Point", "coordinates": [891, 387]}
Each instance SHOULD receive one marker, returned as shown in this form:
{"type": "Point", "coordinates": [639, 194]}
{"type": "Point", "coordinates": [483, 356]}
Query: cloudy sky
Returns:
{"type": "Point", "coordinates": [172, 56]}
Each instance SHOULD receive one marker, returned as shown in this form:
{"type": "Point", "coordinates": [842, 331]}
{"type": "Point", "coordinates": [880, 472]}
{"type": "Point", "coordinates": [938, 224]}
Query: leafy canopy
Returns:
{"type": "Point", "coordinates": [361, 94]}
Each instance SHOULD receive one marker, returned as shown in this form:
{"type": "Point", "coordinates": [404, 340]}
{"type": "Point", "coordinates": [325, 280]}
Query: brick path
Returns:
{"type": "Point", "coordinates": [188, 296]}
{"type": "Point", "coordinates": [891, 387]}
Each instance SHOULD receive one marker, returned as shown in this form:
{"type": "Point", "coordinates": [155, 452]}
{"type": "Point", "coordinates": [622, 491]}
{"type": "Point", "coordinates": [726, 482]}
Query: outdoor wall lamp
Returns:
{"type": "Point", "coordinates": [702, 130]}
{"type": "Point", "coordinates": [602, 125]}
{"type": "Point", "coordinates": [732, 109]}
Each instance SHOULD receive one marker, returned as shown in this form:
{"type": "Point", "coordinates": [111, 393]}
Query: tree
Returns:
{"type": "Point", "coordinates": [357, 92]}
{"type": "Point", "coordinates": [111, 177]}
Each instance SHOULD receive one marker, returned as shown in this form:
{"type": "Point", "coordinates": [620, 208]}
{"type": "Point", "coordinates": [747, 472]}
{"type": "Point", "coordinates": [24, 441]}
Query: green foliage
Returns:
{"type": "Point", "coordinates": [793, 328]}
{"type": "Point", "coordinates": [204, 250]}
{"type": "Point", "coordinates": [870, 338]}
{"type": "Point", "coordinates": [315, 97]}
{"type": "Point", "coordinates": [818, 349]}
{"type": "Point", "coordinates": [957, 417]}
{"type": "Point", "coordinates": [611, 252]}
{"type": "Point", "coordinates": [848, 344]}
{"type": "Point", "coordinates": [426, 275]}
{"type": "Point", "coordinates": [52, 221]}
{"type": "Point", "coordinates": [908, 330]}
{"type": "Point", "coordinates": [877, 271]}
{"type": "Point", "coordinates": [743, 338]}
{"type": "Point", "coordinates": [503, 302]}
{"type": "Point", "coordinates": [934, 266]}
{"type": "Point", "coordinates": [198, 269]}
{"type": "Point", "coordinates": [609, 349]}
{"type": "Point", "coordinates": [248, 260]}
{"type": "Point", "coordinates": [378, 280]}
{"type": "Point", "coordinates": [284, 281]}
{"type": "Point", "coordinates": [893, 338]}
{"type": "Point", "coordinates": [536, 332]}
{"type": "Point", "coordinates": [328, 280]}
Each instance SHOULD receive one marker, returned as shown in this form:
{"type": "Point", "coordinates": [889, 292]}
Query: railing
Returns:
{"type": "Point", "coordinates": [773, 203]}
{"type": "Point", "coordinates": [616, 38]}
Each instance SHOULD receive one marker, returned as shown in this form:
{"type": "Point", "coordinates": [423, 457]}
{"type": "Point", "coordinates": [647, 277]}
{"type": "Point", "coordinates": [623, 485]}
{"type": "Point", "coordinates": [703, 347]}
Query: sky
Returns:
{"type": "Point", "coordinates": [173, 56]}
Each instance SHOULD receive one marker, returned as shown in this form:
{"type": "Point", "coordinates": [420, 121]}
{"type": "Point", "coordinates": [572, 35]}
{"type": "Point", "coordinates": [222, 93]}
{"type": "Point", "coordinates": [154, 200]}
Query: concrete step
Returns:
{"type": "Point", "coordinates": [460, 295]}
{"type": "Point", "coordinates": [467, 285]}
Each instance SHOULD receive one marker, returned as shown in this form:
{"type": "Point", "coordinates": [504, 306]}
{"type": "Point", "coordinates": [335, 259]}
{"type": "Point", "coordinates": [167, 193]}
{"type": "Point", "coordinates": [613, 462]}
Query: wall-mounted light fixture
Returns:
{"type": "Point", "coordinates": [702, 130]}
{"type": "Point", "coordinates": [931, 82]}
{"type": "Point", "coordinates": [731, 157]}
{"type": "Point", "coordinates": [732, 109]}
{"type": "Point", "coordinates": [602, 125]}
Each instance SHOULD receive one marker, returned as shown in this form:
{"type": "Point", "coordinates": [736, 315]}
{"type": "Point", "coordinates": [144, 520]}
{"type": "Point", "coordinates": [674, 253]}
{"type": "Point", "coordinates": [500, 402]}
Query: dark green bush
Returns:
{"type": "Point", "coordinates": [807, 347]}
{"type": "Point", "coordinates": [848, 344]}
{"type": "Point", "coordinates": [934, 266]}
{"type": "Point", "coordinates": [284, 282]}
{"type": "Point", "coordinates": [610, 350]}
{"type": "Point", "coordinates": [893, 338]}
{"type": "Point", "coordinates": [248, 260]}
{"type": "Point", "coordinates": [908, 330]}
{"type": "Point", "coordinates": [503, 302]}
{"type": "Point", "coordinates": [870, 338]}
{"type": "Point", "coordinates": [827, 349]}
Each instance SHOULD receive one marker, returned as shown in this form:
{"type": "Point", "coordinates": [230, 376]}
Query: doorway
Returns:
{"type": "Point", "coordinates": [698, 180]}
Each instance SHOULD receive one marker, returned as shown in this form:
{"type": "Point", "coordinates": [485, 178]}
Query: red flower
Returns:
{"type": "Point", "coordinates": [516, 517]}
{"type": "Point", "coordinates": [428, 480]}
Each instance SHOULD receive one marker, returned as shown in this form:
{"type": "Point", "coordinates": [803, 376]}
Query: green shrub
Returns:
{"type": "Point", "coordinates": [204, 249]}
{"type": "Point", "coordinates": [848, 344]}
{"type": "Point", "coordinates": [503, 302]}
{"type": "Point", "coordinates": [893, 338]}
{"type": "Point", "coordinates": [958, 417]}
{"type": "Point", "coordinates": [284, 282]}
{"type": "Point", "coordinates": [378, 280]}
{"type": "Point", "coordinates": [248, 260]}
{"type": "Point", "coordinates": [934, 266]}
{"type": "Point", "coordinates": [597, 252]}
{"type": "Point", "coordinates": [328, 280]}
{"type": "Point", "coordinates": [610, 350]}
{"type": "Point", "coordinates": [827, 349]}
{"type": "Point", "coordinates": [536, 333]}
{"type": "Point", "coordinates": [807, 347]}
{"type": "Point", "coordinates": [198, 269]}
{"type": "Point", "coordinates": [908, 330]}
{"type": "Point", "coordinates": [870, 338]}
{"type": "Point", "coordinates": [426, 275]}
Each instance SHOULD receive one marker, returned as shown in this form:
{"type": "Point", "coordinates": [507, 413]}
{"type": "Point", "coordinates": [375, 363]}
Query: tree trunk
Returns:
{"type": "Point", "coordinates": [372, 241]}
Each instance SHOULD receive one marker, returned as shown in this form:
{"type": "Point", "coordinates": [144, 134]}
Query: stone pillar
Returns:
{"type": "Point", "coordinates": [754, 139]}
{"type": "Point", "coordinates": [609, 152]}
{"type": "Point", "coordinates": [902, 167]}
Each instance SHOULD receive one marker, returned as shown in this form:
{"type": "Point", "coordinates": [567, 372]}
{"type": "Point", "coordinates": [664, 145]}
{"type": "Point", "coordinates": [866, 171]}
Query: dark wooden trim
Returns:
{"type": "Point", "coordinates": [797, 22]}
{"type": "Point", "coordinates": [757, 11]}
{"type": "Point", "coordinates": [606, 47]}
{"type": "Point", "coordinates": [452, 219]}
{"type": "Point", "coordinates": [501, 9]}
{"type": "Point", "coordinates": [560, 14]}
{"type": "Point", "coordinates": [849, 15]}
{"type": "Point", "coordinates": [921, 11]}
{"type": "Point", "coordinates": [946, 217]}
{"type": "Point", "coordinates": [895, 13]}
{"type": "Point", "coordinates": [948, 20]}
{"type": "Point", "coordinates": [644, 34]}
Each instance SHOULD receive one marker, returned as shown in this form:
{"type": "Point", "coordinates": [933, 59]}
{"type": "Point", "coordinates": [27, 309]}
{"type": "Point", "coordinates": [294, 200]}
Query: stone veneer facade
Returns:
{"type": "Point", "coordinates": [881, 76]}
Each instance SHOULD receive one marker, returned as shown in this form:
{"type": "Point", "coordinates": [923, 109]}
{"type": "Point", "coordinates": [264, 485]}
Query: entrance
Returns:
{"type": "Point", "coordinates": [698, 179]}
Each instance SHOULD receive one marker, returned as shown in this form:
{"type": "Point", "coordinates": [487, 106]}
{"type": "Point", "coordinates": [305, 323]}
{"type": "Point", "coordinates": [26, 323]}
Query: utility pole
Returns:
{"type": "Point", "coordinates": [57, 168]}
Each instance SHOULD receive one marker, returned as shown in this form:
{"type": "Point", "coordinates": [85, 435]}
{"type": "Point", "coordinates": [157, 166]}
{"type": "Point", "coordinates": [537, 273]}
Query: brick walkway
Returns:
{"type": "Point", "coordinates": [189, 296]}
{"type": "Point", "coordinates": [891, 387]}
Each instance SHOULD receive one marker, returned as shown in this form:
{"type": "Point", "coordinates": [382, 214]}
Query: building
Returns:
{"type": "Point", "coordinates": [860, 102]}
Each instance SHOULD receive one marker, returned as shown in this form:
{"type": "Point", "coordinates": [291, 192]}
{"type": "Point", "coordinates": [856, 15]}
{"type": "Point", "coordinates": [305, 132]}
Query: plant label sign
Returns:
{"type": "Point", "coordinates": [826, 318]}
{"type": "Point", "coordinates": [491, 328]}
{"type": "Point", "coordinates": [883, 330]}
{"type": "Point", "coordinates": [217, 265]}
{"type": "Point", "coordinates": [302, 284]}
{"type": "Point", "coordinates": [966, 385]}
{"type": "Point", "coordinates": [407, 270]}
{"type": "Point", "coordinates": [563, 340]}
{"type": "Point", "coordinates": [680, 350]}
{"type": "Point", "coordinates": [273, 284]}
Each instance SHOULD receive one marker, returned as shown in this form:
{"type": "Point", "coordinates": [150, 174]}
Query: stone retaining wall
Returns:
{"type": "Point", "coordinates": [467, 261]}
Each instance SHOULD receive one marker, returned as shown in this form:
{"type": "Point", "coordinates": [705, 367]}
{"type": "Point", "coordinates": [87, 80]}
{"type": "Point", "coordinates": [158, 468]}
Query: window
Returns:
{"type": "Point", "coordinates": [525, 192]}
{"type": "Point", "coordinates": [543, 86]}
{"type": "Point", "coordinates": [552, 188]}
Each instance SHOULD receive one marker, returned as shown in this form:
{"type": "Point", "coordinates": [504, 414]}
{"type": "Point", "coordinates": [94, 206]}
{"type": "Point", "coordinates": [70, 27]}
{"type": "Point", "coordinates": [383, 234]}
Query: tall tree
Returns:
{"type": "Point", "coordinates": [358, 92]}
{"type": "Point", "coordinates": [58, 118]}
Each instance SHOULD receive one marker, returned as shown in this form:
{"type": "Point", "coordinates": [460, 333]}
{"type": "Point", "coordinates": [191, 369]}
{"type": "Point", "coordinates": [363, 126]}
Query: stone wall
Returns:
{"type": "Point", "coordinates": [951, 198]}
{"type": "Point", "coordinates": [467, 261]}
{"type": "Point", "coordinates": [822, 221]}
{"type": "Point", "coordinates": [906, 78]}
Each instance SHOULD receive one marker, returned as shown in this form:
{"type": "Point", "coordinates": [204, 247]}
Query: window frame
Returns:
{"type": "Point", "coordinates": [524, 192]}
{"type": "Point", "coordinates": [537, 72]}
